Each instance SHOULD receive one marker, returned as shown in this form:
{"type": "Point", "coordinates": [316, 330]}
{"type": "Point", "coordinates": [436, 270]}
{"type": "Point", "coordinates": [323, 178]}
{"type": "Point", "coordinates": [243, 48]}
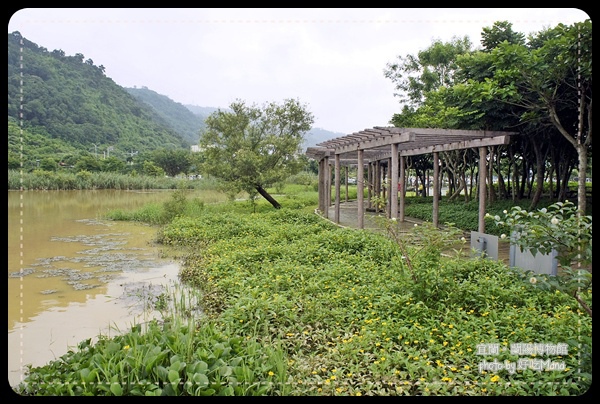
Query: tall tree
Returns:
{"type": "Point", "coordinates": [501, 31]}
{"type": "Point", "coordinates": [432, 68]}
{"type": "Point", "coordinates": [252, 147]}
{"type": "Point", "coordinates": [552, 83]}
{"type": "Point", "coordinates": [173, 161]}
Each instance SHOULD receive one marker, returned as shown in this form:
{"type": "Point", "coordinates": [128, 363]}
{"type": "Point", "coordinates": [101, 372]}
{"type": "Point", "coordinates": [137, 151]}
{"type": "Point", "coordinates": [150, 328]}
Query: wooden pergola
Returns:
{"type": "Point", "coordinates": [387, 147]}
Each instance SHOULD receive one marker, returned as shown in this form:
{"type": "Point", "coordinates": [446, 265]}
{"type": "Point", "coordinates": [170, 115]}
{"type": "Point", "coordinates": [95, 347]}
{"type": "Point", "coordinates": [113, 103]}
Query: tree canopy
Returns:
{"type": "Point", "coordinates": [251, 147]}
{"type": "Point", "coordinates": [172, 161]}
{"type": "Point", "coordinates": [540, 86]}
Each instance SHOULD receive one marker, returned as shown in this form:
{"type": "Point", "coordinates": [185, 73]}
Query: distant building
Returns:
{"type": "Point", "coordinates": [195, 148]}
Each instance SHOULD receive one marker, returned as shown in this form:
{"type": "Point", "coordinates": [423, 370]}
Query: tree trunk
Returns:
{"type": "Point", "coordinates": [581, 193]}
{"type": "Point", "coordinates": [524, 176]}
{"type": "Point", "coordinates": [580, 146]}
{"type": "Point", "coordinates": [539, 174]}
{"type": "Point", "coordinates": [490, 175]}
{"type": "Point", "coordinates": [268, 197]}
{"type": "Point", "coordinates": [502, 191]}
{"type": "Point", "coordinates": [458, 190]}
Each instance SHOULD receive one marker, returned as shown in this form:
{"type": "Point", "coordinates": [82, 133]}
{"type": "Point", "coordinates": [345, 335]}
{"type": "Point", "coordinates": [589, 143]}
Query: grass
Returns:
{"type": "Point", "coordinates": [281, 302]}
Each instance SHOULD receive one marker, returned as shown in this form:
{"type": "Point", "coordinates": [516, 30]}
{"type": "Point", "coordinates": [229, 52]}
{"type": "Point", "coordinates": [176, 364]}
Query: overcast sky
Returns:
{"type": "Point", "coordinates": [332, 60]}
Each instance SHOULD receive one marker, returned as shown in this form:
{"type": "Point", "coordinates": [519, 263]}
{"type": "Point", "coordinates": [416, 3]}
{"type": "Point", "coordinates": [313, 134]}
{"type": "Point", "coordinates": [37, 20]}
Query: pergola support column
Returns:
{"type": "Point", "coordinates": [388, 190]}
{"type": "Point", "coordinates": [394, 181]}
{"type": "Point", "coordinates": [482, 190]}
{"type": "Point", "coordinates": [321, 175]}
{"type": "Point", "coordinates": [337, 189]}
{"type": "Point", "coordinates": [369, 184]}
{"type": "Point", "coordinates": [360, 186]}
{"type": "Point", "coordinates": [436, 188]}
{"type": "Point", "coordinates": [329, 175]}
{"type": "Point", "coordinates": [326, 187]}
{"type": "Point", "coordinates": [347, 178]}
{"type": "Point", "coordinates": [402, 188]}
{"type": "Point", "coordinates": [377, 183]}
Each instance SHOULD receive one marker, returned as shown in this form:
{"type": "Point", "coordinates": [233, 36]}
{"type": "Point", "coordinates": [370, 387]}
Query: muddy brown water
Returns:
{"type": "Point", "coordinates": [72, 275]}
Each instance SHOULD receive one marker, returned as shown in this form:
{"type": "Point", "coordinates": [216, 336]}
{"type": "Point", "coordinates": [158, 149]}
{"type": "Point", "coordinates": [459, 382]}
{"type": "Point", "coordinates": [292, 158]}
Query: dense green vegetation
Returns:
{"type": "Point", "coordinates": [465, 214]}
{"type": "Point", "coordinates": [69, 99]}
{"type": "Point", "coordinates": [67, 180]}
{"type": "Point", "coordinates": [54, 158]}
{"type": "Point", "coordinates": [539, 86]}
{"type": "Point", "coordinates": [282, 302]}
{"type": "Point", "coordinates": [174, 114]}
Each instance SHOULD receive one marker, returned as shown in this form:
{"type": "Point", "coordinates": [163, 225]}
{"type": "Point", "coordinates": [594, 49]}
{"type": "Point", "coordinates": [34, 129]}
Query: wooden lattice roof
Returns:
{"type": "Point", "coordinates": [376, 142]}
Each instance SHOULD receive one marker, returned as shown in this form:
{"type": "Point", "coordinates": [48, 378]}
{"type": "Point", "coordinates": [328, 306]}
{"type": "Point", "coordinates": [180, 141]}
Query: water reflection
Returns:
{"type": "Point", "coordinates": [72, 274]}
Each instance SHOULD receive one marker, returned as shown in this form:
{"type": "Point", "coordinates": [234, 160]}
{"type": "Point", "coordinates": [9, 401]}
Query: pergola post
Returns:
{"type": "Point", "coordinates": [360, 184]}
{"type": "Point", "coordinates": [387, 191]}
{"type": "Point", "coordinates": [329, 176]}
{"type": "Point", "coordinates": [482, 190]}
{"type": "Point", "coordinates": [436, 188]}
{"type": "Point", "coordinates": [321, 176]}
{"type": "Point", "coordinates": [402, 188]}
{"type": "Point", "coordinates": [337, 189]}
{"type": "Point", "coordinates": [394, 182]}
{"type": "Point", "coordinates": [369, 184]}
{"type": "Point", "coordinates": [377, 183]}
{"type": "Point", "coordinates": [346, 176]}
{"type": "Point", "coordinates": [327, 187]}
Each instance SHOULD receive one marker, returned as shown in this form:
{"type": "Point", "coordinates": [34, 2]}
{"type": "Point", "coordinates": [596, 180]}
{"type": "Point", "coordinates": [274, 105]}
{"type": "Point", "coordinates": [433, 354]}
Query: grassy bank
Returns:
{"type": "Point", "coordinates": [281, 302]}
{"type": "Point", "coordinates": [67, 180]}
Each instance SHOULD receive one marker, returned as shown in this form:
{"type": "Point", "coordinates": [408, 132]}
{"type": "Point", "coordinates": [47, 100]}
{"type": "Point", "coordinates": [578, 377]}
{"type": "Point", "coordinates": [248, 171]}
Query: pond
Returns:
{"type": "Point", "coordinates": [72, 275]}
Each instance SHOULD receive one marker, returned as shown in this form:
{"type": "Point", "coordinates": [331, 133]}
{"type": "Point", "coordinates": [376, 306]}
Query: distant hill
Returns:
{"type": "Point", "coordinates": [204, 112]}
{"type": "Point", "coordinates": [70, 107]}
{"type": "Point", "coordinates": [179, 117]}
{"type": "Point", "coordinates": [70, 100]}
{"type": "Point", "coordinates": [314, 136]}
{"type": "Point", "coordinates": [318, 135]}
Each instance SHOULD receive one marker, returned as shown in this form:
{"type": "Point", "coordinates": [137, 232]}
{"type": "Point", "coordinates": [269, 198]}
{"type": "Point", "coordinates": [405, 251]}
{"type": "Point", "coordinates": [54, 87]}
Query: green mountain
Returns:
{"type": "Point", "coordinates": [318, 135]}
{"type": "Point", "coordinates": [68, 102]}
{"type": "Point", "coordinates": [71, 108]}
{"type": "Point", "coordinates": [204, 112]}
{"type": "Point", "coordinates": [173, 114]}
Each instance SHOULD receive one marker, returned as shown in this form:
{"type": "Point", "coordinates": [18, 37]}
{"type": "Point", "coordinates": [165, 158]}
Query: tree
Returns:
{"type": "Point", "coordinates": [149, 168]}
{"type": "Point", "coordinates": [501, 31]}
{"type": "Point", "coordinates": [14, 161]}
{"type": "Point", "coordinates": [89, 164]}
{"type": "Point", "coordinates": [552, 83]}
{"type": "Point", "coordinates": [48, 164]}
{"type": "Point", "coordinates": [432, 68]}
{"type": "Point", "coordinates": [251, 148]}
{"type": "Point", "coordinates": [113, 164]}
{"type": "Point", "coordinates": [172, 161]}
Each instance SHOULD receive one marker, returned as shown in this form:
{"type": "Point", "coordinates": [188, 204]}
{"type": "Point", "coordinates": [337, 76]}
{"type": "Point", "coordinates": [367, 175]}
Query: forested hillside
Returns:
{"type": "Point", "coordinates": [174, 114]}
{"type": "Point", "coordinates": [68, 100]}
{"type": "Point", "coordinates": [204, 112]}
{"type": "Point", "coordinates": [72, 109]}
